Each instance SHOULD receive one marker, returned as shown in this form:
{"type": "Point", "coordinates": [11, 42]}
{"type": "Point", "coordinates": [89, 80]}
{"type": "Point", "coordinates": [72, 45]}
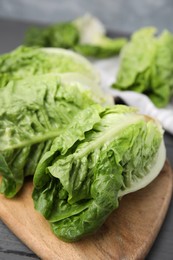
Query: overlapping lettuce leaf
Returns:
{"type": "Point", "coordinates": [78, 182]}
{"type": "Point", "coordinates": [32, 113]}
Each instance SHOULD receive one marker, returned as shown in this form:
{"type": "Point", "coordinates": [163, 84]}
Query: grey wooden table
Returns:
{"type": "Point", "coordinates": [11, 248]}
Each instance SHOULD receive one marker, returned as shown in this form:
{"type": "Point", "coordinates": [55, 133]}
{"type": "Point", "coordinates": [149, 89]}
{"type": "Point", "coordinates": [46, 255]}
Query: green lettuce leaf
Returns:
{"type": "Point", "coordinates": [32, 113]}
{"type": "Point", "coordinates": [146, 66]}
{"type": "Point", "coordinates": [78, 182]}
{"type": "Point", "coordinates": [103, 47]}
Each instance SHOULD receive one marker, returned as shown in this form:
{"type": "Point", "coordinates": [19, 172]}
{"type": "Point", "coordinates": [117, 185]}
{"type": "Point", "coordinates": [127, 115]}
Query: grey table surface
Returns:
{"type": "Point", "coordinates": [11, 248]}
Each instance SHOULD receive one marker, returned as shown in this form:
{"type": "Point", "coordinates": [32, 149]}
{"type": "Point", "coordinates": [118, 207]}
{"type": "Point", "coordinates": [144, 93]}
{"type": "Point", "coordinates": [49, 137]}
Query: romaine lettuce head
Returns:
{"type": "Point", "coordinates": [79, 181]}
{"type": "Point", "coordinates": [32, 113]}
{"type": "Point", "coordinates": [27, 61]}
{"type": "Point", "coordinates": [85, 35]}
{"type": "Point", "coordinates": [93, 41]}
{"type": "Point", "coordinates": [146, 65]}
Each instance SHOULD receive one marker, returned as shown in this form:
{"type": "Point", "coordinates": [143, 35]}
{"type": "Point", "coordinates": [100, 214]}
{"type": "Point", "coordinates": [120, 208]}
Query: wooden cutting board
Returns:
{"type": "Point", "coordinates": [128, 233]}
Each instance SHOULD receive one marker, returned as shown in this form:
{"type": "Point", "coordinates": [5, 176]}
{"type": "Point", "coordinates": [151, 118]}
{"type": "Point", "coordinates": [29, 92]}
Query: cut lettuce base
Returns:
{"type": "Point", "coordinates": [156, 167]}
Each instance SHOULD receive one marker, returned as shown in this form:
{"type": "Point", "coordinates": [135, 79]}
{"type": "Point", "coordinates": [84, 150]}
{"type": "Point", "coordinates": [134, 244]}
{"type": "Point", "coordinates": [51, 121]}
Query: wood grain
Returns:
{"type": "Point", "coordinates": [128, 233]}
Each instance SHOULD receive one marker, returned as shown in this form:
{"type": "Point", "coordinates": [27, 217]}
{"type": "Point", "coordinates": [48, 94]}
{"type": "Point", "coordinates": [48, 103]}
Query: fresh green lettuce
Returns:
{"type": "Point", "coordinates": [86, 35]}
{"type": "Point", "coordinates": [32, 113]}
{"type": "Point", "coordinates": [146, 66]}
{"type": "Point", "coordinates": [78, 182]}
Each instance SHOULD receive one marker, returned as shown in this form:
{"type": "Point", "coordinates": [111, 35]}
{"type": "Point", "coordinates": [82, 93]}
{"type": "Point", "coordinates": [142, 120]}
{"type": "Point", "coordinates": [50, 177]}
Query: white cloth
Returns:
{"type": "Point", "coordinates": [108, 69]}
